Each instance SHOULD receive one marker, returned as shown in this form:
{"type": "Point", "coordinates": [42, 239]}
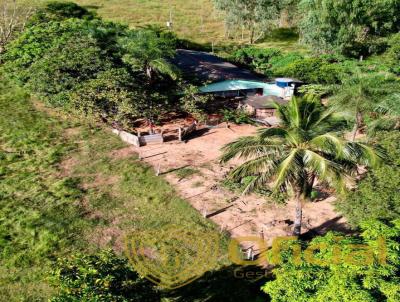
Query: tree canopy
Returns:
{"type": "Point", "coordinates": [353, 28]}
{"type": "Point", "coordinates": [255, 16]}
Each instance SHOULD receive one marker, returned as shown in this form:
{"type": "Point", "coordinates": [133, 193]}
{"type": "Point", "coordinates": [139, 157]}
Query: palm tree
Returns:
{"type": "Point", "coordinates": [361, 93]}
{"type": "Point", "coordinates": [148, 51]}
{"type": "Point", "coordinates": [304, 149]}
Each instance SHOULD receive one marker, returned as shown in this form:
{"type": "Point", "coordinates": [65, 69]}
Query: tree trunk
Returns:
{"type": "Point", "coordinates": [299, 215]}
{"type": "Point", "coordinates": [357, 126]}
{"type": "Point", "coordinates": [252, 35]}
{"type": "Point", "coordinates": [308, 186]}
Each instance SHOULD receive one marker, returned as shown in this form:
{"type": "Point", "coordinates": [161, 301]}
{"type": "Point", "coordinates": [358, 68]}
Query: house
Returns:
{"type": "Point", "coordinates": [226, 80]}
{"type": "Point", "coordinates": [262, 107]}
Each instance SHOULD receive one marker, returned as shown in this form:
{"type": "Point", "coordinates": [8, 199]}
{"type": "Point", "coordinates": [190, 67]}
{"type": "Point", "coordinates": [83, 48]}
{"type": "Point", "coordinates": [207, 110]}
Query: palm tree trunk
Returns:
{"type": "Point", "coordinates": [299, 215]}
{"type": "Point", "coordinates": [357, 126]}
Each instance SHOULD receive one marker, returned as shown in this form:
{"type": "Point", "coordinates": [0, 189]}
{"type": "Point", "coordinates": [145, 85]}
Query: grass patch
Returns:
{"type": "Point", "coordinates": [186, 172]}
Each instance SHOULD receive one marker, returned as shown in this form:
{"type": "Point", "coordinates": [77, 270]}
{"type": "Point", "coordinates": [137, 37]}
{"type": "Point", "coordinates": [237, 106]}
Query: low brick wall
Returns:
{"type": "Point", "coordinates": [128, 137]}
{"type": "Point", "coordinates": [139, 141]}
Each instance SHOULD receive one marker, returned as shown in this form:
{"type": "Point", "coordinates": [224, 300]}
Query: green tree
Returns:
{"type": "Point", "coordinates": [304, 149]}
{"type": "Point", "coordinates": [394, 53]}
{"type": "Point", "coordinates": [354, 28]}
{"type": "Point", "coordinates": [194, 103]}
{"type": "Point", "coordinates": [333, 268]}
{"type": "Point", "coordinates": [111, 97]}
{"type": "Point", "coordinates": [149, 51]}
{"type": "Point", "coordinates": [361, 94]}
{"type": "Point", "coordinates": [255, 16]}
{"type": "Point", "coordinates": [100, 277]}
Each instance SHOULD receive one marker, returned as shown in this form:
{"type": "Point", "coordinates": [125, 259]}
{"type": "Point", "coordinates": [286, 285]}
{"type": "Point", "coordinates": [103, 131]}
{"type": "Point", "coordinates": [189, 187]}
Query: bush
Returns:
{"type": "Point", "coordinates": [256, 58]}
{"type": "Point", "coordinates": [313, 70]}
{"type": "Point", "coordinates": [100, 277]}
{"type": "Point", "coordinates": [237, 116]}
{"type": "Point", "coordinates": [65, 67]}
{"type": "Point", "coordinates": [58, 11]}
{"type": "Point", "coordinates": [283, 60]}
{"type": "Point", "coordinates": [378, 195]}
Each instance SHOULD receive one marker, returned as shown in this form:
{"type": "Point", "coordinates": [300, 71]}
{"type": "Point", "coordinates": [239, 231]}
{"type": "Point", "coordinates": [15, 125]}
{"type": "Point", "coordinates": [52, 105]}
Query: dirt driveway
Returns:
{"type": "Point", "coordinates": [249, 215]}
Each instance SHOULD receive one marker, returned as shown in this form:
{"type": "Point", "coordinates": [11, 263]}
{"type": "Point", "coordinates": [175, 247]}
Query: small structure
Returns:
{"type": "Point", "coordinates": [262, 107]}
{"type": "Point", "coordinates": [139, 140]}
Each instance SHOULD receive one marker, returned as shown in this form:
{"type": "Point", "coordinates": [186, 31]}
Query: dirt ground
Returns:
{"type": "Point", "coordinates": [249, 215]}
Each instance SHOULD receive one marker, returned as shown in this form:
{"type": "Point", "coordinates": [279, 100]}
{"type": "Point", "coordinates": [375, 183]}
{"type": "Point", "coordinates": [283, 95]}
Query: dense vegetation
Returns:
{"type": "Point", "coordinates": [341, 268]}
{"type": "Point", "coordinates": [61, 185]}
{"type": "Point", "coordinates": [70, 58]}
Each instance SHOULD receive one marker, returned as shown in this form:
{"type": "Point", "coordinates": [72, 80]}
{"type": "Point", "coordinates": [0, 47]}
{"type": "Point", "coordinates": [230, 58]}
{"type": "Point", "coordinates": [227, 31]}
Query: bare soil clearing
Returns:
{"type": "Point", "coordinates": [249, 215]}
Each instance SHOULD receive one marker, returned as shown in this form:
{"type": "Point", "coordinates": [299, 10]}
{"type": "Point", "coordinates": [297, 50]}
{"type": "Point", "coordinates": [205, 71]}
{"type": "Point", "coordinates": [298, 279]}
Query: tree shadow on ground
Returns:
{"type": "Point", "coordinates": [333, 224]}
{"type": "Point", "coordinates": [230, 284]}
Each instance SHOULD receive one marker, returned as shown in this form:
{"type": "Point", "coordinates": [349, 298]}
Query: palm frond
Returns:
{"type": "Point", "coordinates": [164, 67]}
{"type": "Point", "coordinates": [366, 155]}
{"type": "Point", "coordinates": [288, 170]}
{"type": "Point", "coordinates": [251, 147]}
{"type": "Point", "coordinates": [331, 144]}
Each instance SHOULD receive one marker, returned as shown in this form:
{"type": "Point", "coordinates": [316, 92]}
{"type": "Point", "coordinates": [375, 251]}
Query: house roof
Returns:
{"type": "Point", "coordinates": [264, 102]}
{"type": "Point", "coordinates": [206, 66]}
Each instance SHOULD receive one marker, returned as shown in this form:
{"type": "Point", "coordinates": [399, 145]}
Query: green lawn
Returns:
{"type": "Point", "coordinates": [63, 190]}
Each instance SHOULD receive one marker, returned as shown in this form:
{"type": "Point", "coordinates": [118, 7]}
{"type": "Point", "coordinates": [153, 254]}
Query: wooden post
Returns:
{"type": "Point", "coordinates": [250, 254]}
{"type": "Point", "coordinates": [180, 134]}
{"type": "Point", "coordinates": [158, 169]}
{"type": "Point", "coordinates": [204, 212]}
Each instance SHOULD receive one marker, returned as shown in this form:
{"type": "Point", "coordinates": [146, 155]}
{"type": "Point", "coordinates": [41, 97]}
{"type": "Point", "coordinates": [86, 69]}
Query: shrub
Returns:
{"type": "Point", "coordinates": [256, 58]}
{"type": "Point", "coordinates": [111, 96]}
{"type": "Point", "coordinates": [283, 60]}
{"type": "Point", "coordinates": [237, 116]}
{"type": "Point", "coordinates": [64, 67]}
{"type": "Point", "coordinates": [58, 11]}
{"type": "Point", "coordinates": [313, 70]}
{"type": "Point", "coordinates": [100, 277]}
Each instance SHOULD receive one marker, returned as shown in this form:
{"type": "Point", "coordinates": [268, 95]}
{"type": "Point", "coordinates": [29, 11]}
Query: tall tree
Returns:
{"type": "Point", "coordinates": [304, 149]}
{"type": "Point", "coordinates": [254, 16]}
{"type": "Point", "coordinates": [350, 27]}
